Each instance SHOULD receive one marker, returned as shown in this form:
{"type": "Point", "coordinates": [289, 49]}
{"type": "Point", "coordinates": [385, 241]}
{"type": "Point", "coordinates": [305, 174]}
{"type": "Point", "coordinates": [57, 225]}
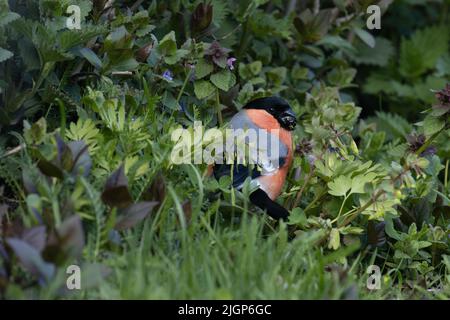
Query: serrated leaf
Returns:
{"type": "Point", "coordinates": [366, 37]}
{"type": "Point", "coordinates": [203, 68]}
{"type": "Point", "coordinates": [431, 125]}
{"type": "Point", "coordinates": [203, 89]}
{"type": "Point", "coordinates": [378, 56]}
{"type": "Point", "coordinates": [8, 18]}
{"type": "Point", "coordinates": [223, 80]}
{"type": "Point", "coordinates": [422, 50]}
{"type": "Point", "coordinates": [5, 54]}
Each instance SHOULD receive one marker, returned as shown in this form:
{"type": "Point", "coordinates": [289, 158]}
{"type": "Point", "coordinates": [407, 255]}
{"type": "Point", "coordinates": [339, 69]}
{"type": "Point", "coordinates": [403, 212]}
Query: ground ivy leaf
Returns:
{"type": "Point", "coordinates": [223, 80]}
{"type": "Point", "coordinates": [203, 89]}
{"type": "Point", "coordinates": [203, 68]}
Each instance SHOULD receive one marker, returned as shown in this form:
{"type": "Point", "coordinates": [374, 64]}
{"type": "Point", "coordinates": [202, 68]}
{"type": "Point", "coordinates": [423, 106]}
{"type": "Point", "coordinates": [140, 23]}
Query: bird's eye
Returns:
{"type": "Point", "coordinates": [271, 109]}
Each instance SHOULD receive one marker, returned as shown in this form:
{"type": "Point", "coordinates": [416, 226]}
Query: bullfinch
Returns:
{"type": "Point", "coordinates": [273, 121]}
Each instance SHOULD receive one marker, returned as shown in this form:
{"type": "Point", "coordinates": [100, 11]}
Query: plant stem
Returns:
{"type": "Point", "coordinates": [300, 192]}
{"type": "Point", "coordinates": [446, 174]}
{"type": "Point", "coordinates": [430, 139]}
{"type": "Point", "coordinates": [364, 207]}
{"type": "Point", "coordinates": [317, 198]}
{"type": "Point", "coordinates": [342, 207]}
{"type": "Point", "coordinates": [219, 112]}
{"type": "Point", "coordinates": [184, 85]}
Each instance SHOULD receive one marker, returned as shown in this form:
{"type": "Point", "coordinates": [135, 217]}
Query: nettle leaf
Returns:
{"type": "Point", "coordinates": [223, 80]}
{"type": "Point", "coordinates": [133, 214]}
{"type": "Point", "coordinates": [366, 37]}
{"type": "Point", "coordinates": [116, 193]}
{"type": "Point", "coordinates": [8, 17]}
{"type": "Point", "coordinates": [431, 125]}
{"type": "Point", "coordinates": [378, 56]}
{"type": "Point", "coordinates": [203, 89]}
{"type": "Point", "coordinates": [422, 50]}
{"type": "Point", "coordinates": [203, 68]}
{"type": "Point", "coordinates": [5, 54]}
{"type": "Point", "coordinates": [340, 186]}
{"type": "Point", "coordinates": [31, 259]}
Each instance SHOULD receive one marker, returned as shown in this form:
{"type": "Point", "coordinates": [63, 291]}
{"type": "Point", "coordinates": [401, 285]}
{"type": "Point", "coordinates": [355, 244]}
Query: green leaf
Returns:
{"type": "Point", "coordinates": [334, 240]}
{"type": "Point", "coordinates": [203, 68]}
{"type": "Point", "coordinates": [378, 56]}
{"type": "Point", "coordinates": [360, 181]}
{"type": "Point", "coordinates": [91, 57]}
{"type": "Point", "coordinates": [5, 54]}
{"type": "Point", "coordinates": [223, 80]}
{"type": "Point", "coordinates": [203, 89]}
{"type": "Point", "coordinates": [8, 18]}
{"type": "Point", "coordinates": [298, 217]}
{"type": "Point", "coordinates": [431, 125]}
{"type": "Point", "coordinates": [168, 44]}
{"type": "Point", "coordinates": [366, 37]}
{"type": "Point", "coordinates": [339, 186]}
{"type": "Point", "coordinates": [422, 50]}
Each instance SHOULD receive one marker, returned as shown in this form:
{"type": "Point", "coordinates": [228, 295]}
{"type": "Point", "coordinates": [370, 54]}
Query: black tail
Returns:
{"type": "Point", "coordinates": [273, 209]}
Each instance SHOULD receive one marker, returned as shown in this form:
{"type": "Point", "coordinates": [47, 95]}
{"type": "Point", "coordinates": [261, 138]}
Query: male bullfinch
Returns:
{"type": "Point", "coordinates": [272, 118]}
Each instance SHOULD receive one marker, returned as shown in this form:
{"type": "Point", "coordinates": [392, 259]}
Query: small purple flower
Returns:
{"type": "Point", "coordinates": [168, 75]}
{"type": "Point", "coordinates": [230, 63]}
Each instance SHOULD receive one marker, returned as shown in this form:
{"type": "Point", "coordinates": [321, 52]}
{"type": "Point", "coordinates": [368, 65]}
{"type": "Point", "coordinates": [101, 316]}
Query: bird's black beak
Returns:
{"type": "Point", "coordinates": [288, 119]}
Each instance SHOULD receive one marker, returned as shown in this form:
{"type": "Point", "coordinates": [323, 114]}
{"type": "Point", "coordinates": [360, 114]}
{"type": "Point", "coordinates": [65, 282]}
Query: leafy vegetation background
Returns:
{"type": "Point", "coordinates": [86, 118]}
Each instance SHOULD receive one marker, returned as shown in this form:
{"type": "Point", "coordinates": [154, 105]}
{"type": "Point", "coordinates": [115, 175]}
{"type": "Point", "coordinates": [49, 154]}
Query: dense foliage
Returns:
{"type": "Point", "coordinates": [86, 118]}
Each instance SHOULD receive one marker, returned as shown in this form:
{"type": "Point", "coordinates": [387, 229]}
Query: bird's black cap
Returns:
{"type": "Point", "coordinates": [264, 103]}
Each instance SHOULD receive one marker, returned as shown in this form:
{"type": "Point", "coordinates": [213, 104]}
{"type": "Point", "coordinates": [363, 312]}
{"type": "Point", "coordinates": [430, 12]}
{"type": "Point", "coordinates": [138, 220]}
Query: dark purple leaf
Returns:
{"type": "Point", "coordinates": [28, 184]}
{"type": "Point", "coordinates": [35, 237]}
{"type": "Point", "coordinates": [376, 236]}
{"type": "Point", "coordinates": [31, 259]}
{"type": "Point", "coordinates": [130, 216]}
{"type": "Point", "coordinates": [82, 162]}
{"type": "Point", "coordinates": [71, 236]}
{"type": "Point", "coordinates": [116, 193]}
{"type": "Point", "coordinates": [49, 169]}
{"type": "Point", "coordinates": [201, 17]}
{"type": "Point", "coordinates": [157, 190]}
